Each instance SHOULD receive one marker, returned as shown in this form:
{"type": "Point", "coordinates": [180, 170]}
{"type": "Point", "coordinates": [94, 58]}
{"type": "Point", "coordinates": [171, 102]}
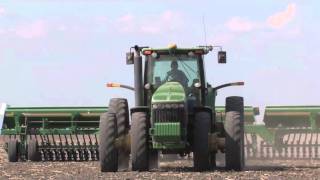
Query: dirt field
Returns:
{"type": "Point", "coordinates": [179, 169]}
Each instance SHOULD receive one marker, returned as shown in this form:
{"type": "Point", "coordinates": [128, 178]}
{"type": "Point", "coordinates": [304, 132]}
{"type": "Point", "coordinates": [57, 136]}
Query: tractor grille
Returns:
{"type": "Point", "coordinates": [168, 112]}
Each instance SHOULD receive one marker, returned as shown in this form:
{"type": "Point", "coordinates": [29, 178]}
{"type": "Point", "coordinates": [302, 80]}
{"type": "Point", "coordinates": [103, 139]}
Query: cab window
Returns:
{"type": "Point", "coordinates": [181, 68]}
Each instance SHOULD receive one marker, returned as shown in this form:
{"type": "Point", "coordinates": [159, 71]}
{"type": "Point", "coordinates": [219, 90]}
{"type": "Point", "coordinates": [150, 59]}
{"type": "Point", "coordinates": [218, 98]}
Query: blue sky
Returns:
{"type": "Point", "coordinates": [56, 53]}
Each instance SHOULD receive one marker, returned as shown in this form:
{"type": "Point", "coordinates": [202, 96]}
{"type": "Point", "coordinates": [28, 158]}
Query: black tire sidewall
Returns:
{"type": "Point", "coordinates": [119, 106]}
{"type": "Point", "coordinates": [234, 128]}
{"type": "Point", "coordinates": [108, 156]}
{"type": "Point", "coordinates": [139, 142]}
{"type": "Point", "coordinates": [201, 154]}
{"type": "Point", "coordinates": [33, 154]}
{"type": "Point", "coordinates": [13, 151]}
{"type": "Point", "coordinates": [113, 124]}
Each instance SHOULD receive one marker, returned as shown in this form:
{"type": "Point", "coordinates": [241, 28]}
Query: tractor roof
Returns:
{"type": "Point", "coordinates": [175, 49]}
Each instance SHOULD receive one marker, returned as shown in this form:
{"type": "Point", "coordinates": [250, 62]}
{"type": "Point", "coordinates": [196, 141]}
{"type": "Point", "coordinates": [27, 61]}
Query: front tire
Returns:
{"type": "Point", "coordinates": [234, 126]}
{"type": "Point", "coordinates": [108, 154]}
{"type": "Point", "coordinates": [201, 155]}
{"type": "Point", "coordinates": [139, 142]}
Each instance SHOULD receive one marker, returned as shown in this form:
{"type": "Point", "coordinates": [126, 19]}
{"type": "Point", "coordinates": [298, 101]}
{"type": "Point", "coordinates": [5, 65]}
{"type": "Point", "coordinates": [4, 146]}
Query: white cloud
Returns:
{"type": "Point", "coordinates": [101, 19]}
{"type": "Point", "coordinates": [62, 27]}
{"type": "Point", "coordinates": [239, 24]}
{"type": "Point", "coordinates": [36, 29]}
{"type": "Point", "coordinates": [280, 19]}
{"type": "Point", "coordinates": [2, 31]}
{"type": "Point", "coordinates": [223, 38]}
{"type": "Point", "coordinates": [125, 23]}
{"type": "Point", "coordinates": [275, 21]}
{"type": "Point", "coordinates": [2, 11]}
{"type": "Point", "coordinates": [150, 29]}
{"type": "Point", "coordinates": [126, 18]}
{"type": "Point", "coordinates": [153, 24]}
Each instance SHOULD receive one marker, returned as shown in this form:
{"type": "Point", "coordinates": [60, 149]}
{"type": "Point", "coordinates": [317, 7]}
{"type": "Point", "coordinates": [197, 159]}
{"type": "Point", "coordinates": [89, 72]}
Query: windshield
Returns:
{"type": "Point", "coordinates": [179, 68]}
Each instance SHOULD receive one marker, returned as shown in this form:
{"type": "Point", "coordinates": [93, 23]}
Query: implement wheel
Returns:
{"type": "Point", "coordinates": [201, 155]}
{"type": "Point", "coordinates": [139, 142]}
{"type": "Point", "coordinates": [33, 153]}
{"type": "Point", "coordinates": [13, 150]}
{"type": "Point", "coordinates": [234, 126]}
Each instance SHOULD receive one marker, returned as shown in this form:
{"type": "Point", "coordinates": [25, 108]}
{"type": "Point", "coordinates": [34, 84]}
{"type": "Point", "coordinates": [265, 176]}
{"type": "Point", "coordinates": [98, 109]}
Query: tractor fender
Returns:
{"type": "Point", "coordinates": [203, 108]}
{"type": "Point", "coordinates": [139, 109]}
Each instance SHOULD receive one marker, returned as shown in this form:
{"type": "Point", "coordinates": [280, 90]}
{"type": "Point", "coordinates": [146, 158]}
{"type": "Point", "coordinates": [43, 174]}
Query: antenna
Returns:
{"type": "Point", "coordinates": [204, 30]}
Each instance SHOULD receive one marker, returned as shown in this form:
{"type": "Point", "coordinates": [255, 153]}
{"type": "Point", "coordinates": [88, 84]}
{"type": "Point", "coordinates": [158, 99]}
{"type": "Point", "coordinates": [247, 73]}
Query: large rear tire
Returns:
{"type": "Point", "coordinates": [33, 153]}
{"type": "Point", "coordinates": [234, 126]}
{"type": "Point", "coordinates": [108, 154]}
{"type": "Point", "coordinates": [13, 150]}
{"type": "Point", "coordinates": [139, 142]}
{"type": "Point", "coordinates": [201, 155]}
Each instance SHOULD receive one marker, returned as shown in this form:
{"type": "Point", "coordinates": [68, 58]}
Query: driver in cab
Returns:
{"type": "Point", "coordinates": [177, 75]}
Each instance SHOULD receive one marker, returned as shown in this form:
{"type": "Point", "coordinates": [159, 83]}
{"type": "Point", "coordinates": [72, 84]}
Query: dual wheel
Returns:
{"type": "Point", "coordinates": [113, 126]}
{"type": "Point", "coordinates": [234, 141]}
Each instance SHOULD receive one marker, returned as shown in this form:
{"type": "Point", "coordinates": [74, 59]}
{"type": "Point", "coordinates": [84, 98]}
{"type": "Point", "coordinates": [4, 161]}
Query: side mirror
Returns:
{"type": "Point", "coordinates": [222, 57]}
{"type": "Point", "coordinates": [256, 111]}
{"type": "Point", "coordinates": [129, 57]}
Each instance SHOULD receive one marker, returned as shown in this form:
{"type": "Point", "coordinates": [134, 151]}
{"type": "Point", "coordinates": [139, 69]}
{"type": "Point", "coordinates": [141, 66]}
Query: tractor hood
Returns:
{"type": "Point", "coordinates": [169, 92]}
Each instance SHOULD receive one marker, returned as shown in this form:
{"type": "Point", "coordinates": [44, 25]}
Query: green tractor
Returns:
{"type": "Point", "coordinates": [174, 113]}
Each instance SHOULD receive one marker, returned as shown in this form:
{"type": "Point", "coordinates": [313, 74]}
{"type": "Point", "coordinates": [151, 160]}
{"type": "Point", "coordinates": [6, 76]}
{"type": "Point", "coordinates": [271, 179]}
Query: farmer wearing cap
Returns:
{"type": "Point", "coordinates": [177, 75]}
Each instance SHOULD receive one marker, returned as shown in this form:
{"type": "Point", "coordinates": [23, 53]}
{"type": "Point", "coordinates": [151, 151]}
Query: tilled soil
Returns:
{"type": "Point", "coordinates": [175, 169]}
{"type": "Point", "coordinates": [178, 169]}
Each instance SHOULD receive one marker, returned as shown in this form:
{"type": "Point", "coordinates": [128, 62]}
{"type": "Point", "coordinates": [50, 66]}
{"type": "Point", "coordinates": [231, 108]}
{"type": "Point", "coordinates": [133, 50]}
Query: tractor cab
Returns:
{"type": "Point", "coordinates": [178, 69]}
{"type": "Point", "coordinates": [170, 68]}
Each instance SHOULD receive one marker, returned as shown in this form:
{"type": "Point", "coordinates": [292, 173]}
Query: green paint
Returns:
{"type": "Point", "coordinates": [261, 130]}
{"type": "Point", "coordinates": [249, 114]}
{"type": "Point", "coordinates": [292, 116]}
{"type": "Point", "coordinates": [170, 132]}
{"type": "Point", "coordinates": [23, 121]}
{"type": "Point", "coordinates": [167, 136]}
{"type": "Point", "coordinates": [169, 92]}
{"type": "Point", "coordinates": [285, 120]}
